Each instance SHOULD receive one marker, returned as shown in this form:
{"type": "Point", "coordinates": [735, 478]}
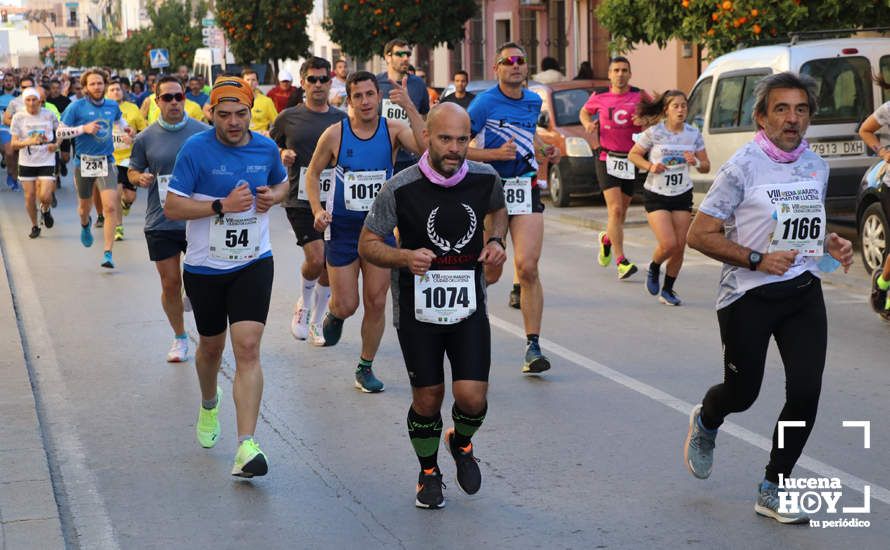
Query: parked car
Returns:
{"type": "Point", "coordinates": [476, 87]}
{"type": "Point", "coordinates": [559, 125]}
{"type": "Point", "coordinates": [722, 102]}
{"type": "Point", "coordinates": [872, 214]}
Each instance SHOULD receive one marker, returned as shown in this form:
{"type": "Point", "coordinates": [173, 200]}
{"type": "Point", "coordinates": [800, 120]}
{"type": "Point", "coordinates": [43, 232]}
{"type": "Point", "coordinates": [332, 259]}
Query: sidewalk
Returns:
{"type": "Point", "coordinates": [29, 516]}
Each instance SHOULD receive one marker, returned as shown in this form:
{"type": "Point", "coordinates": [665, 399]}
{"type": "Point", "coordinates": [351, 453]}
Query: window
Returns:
{"type": "Point", "coordinates": [698, 100]}
{"type": "Point", "coordinates": [567, 105]}
{"type": "Point", "coordinates": [528, 37]}
{"type": "Point", "coordinates": [844, 89]}
{"type": "Point", "coordinates": [502, 31]}
{"type": "Point", "coordinates": [476, 43]}
{"type": "Point", "coordinates": [734, 102]}
{"type": "Point", "coordinates": [885, 72]}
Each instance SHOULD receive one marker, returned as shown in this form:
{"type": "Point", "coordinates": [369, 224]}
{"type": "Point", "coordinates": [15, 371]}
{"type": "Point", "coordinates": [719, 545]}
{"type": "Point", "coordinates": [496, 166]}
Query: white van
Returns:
{"type": "Point", "coordinates": [722, 102]}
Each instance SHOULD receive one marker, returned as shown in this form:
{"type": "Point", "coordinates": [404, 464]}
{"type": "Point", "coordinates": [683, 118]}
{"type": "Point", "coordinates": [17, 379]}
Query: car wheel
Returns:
{"type": "Point", "coordinates": [873, 237]}
{"type": "Point", "coordinates": [558, 193]}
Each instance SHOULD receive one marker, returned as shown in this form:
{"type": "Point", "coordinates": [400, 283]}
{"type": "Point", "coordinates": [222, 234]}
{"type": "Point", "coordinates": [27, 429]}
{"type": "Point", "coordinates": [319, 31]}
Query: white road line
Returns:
{"type": "Point", "coordinates": [821, 469]}
{"type": "Point", "coordinates": [86, 505]}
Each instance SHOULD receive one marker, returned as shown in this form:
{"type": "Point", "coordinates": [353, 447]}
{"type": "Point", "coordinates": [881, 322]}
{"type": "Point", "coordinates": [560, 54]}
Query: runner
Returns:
{"type": "Point", "coordinates": [9, 154]}
{"type": "Point", "coordinates": [672, 147]}
{"type": "Point", "coordinates": [615, 108]}
{"type": "Point", "coordinates": [362, 148]}
{"type": "Point", "coordinates": [504, 119]}
{"type": "Point", "coordinates": [439, 290]}
{"type": "Point", "coordinates": [151, 165]}
{"type": "Point", "coordinates": [880, 279]}
{"type": "Point", "coordinates": [770, 195]}
{"type": "Point", "coordinates": [90, 121]}
{"type": "Point", "coordinates": [285, 94]}
{"type": "Point", "coordinates": [123, 144]}
{"type": "Point", "coordinates": [397, 54]}
{"type": "Point", "coordinates": [460, 96]}
{"type": "Point", "coordinates": [263, 113]}
{"type": "Point", "coordinates": [228, 262]}
{"type": "Point", "coordinates": [337, 95]}
{"type": "Point", "coordinates": [297, 131]}
{"type": "Point", "coordinates": [33, 135]}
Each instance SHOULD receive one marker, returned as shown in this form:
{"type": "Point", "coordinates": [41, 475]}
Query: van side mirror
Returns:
{"type": "Point", "coordinates": [544, 119]}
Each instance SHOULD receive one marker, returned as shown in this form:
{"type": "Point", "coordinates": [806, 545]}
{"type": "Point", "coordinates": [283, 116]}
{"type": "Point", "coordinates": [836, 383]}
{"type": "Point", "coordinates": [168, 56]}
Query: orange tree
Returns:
{"type": "Point", "coordinates": [258, 31]}
{"type": "Point", "coordinates": [724, 25]}
{"type": "Point", "coordinates": [362, 27]}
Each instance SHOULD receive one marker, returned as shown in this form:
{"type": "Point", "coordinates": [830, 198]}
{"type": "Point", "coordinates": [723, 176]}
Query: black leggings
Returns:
{"type": "Point", "coordinates": [792, 312]}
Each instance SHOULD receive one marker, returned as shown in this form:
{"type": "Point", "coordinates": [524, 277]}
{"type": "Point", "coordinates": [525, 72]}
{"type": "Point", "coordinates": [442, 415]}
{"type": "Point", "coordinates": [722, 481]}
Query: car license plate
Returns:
{"type": "Point", "coordinates": [838, 148]}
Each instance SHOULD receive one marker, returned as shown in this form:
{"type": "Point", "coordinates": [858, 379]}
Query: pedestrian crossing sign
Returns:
{"type": "Point", "coordinates": [159, 58]}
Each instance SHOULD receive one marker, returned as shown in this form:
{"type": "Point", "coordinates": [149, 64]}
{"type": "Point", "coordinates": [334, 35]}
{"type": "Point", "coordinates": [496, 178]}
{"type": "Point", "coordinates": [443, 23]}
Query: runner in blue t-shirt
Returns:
{"type": "Point", "coordinates": [9, 154]}
{"type": "Point", "coordinates": [224, 182]}
{"type": "Point", "coordinates": [503, 121]}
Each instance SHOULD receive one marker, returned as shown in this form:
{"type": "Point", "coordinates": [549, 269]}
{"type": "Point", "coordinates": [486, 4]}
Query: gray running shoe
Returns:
{"type": "Point", "coordinates": [698, 451]}
{"type": "Point", "coordinates": [767, 505]}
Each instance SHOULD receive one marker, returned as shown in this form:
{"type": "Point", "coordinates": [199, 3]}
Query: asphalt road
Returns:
{"type": "Point", "coordinates": [587, 456]}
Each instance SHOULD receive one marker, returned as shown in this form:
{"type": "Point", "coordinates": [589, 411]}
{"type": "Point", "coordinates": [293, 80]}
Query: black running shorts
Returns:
{"type": "Point", "coordinates": [123, 179]}
{"type": "Point", "coordinates": [654, 201]}
{"type": "Point", "coordinates": [303, 223]}
{"type": "Point", "coordinates": [242, 295]}
{"type": "Point", "coordinates": [468, 347]}
{"type": "Point", "coordinates": [165, 244]}
{"type": "Point", "coordinates": [607, 182]}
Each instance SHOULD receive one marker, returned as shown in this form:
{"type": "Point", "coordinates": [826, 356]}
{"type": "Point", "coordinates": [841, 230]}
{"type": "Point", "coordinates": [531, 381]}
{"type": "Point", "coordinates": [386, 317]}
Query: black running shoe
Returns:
{"type": "Point", "coordinates": [469, 478]}
{"type": "Point", "coordinates": [878, 296]}
{"type": "Point", "coordinates": [515, 295]}
{"type": "Point", "coordinates": [332, 329]}
{"type": "Point", "coordinates": [429, 490]}
{"type": "Point", "coordinates": [100, 221]}
{"type": "Point", "coordinates": [48, 220]}
{"type": "Point", "coordinates": [35, 232]}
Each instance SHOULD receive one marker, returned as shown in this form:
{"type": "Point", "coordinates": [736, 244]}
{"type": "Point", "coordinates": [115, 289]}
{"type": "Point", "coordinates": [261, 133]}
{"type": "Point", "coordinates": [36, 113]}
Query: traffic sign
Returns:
{"type": "Point", "coordinates": [206, 41]}
{"type": "Point", "coordinates": [159, 58]}
{"type": "Point", "coordinates": [205, 31]}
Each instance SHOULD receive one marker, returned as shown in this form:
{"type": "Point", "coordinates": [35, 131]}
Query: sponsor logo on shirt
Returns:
{"type": "Point", "coordinates": [221, 171]}
{"type": "Point", "coordinates": [257, 168]}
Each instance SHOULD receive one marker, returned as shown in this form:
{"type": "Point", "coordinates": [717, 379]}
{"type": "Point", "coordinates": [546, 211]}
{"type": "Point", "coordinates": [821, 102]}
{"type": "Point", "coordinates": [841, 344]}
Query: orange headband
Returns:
{"type": "Point", "coordinates": [231, 88]}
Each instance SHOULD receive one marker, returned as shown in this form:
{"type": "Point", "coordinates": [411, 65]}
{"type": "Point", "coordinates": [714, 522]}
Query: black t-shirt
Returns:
{"type": "Point", "coordinates": [60, 102]}
{"type": "Point", "coordinates": [299, 129]}
{"type": "Point", "coordinates": [462, 101]}
{"type": "Point", "coordinates": [448, 221]}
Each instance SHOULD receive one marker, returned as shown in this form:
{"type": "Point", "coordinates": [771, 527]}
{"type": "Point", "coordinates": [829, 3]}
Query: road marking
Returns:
{"type": "Point", "coordinates": [85, 504]}
{"type": "Point", "coordinates": [821, 469]}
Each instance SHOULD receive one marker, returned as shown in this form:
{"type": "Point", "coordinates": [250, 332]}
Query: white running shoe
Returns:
{"type": "Point", "coordinates": [299, 325]}
{"type": "Point", "coordinates": [179, 351]}
{"type": "Point", "coordinates": [316, 336]}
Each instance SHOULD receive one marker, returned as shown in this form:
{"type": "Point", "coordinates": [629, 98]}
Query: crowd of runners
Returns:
{"type": "Point", "coordinates": [387, 187]}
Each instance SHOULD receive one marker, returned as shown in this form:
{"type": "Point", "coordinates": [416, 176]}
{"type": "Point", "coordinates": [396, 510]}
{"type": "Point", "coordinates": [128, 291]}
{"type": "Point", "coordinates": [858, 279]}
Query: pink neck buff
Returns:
{"type": "Point", "coordinates": [775, 153]}
{"type": "Point", "coordinates": [437, 178]}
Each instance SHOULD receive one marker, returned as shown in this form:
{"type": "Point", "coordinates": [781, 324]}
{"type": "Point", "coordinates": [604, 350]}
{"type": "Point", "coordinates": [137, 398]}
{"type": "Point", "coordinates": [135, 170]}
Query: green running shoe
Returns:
{"type": "Point", "coordinates": [207, 428]}
{"type": "Point", "coordinates": [250, 460]}
{"type": "Point", "coordinates": [626, 269]}
{"type": "Point", "coordinates": [605, 253]}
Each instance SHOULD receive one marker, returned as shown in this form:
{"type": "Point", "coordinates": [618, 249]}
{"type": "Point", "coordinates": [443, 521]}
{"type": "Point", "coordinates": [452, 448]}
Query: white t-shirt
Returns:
{"type": "Point", "coordinates": [747, 194]}
{"type": "Point", "coordinates": [667, 147]}
{"type": "Point", "coordinates": [882, 114]}
{"type": "Point", "coordinates": [24, 125]}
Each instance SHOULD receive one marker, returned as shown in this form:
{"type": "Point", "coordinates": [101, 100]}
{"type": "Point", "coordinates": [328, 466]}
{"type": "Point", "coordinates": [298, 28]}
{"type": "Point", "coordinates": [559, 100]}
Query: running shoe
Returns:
{"type": "Point", "coordinates": [316, 336]}
{"type": "Point", "coordinates": [48, 220]}
{"type": "Point", "coordinates": [35, 232]}
{"type": "Point", "coordinates": [652, 282]}
{"type": "Point", "coordinates": [878, 296]}
{"type": "Point", "coordinates": [299, 324]}
{"type": "Point", "coordinates": [515, 296]}
{"type": "Point", "coordinates": [469, 478]}
{"type": "Point", "coordinates": [100, 221]}
{"type": "Point", "coordinates": [535, 361]}
{"type": "Point", "coordinates": [125, 207]}
{"type": "Point", "coordinates": [698, 450]}
{"type": "Point", "coordinates": [332, 329]}
{"type": "Point", "coordinates": [626, 269]}
{"type": "Point", "coordinates": [669, 298]}
{"type": "Point", "coordinates": [605, 253]}
{"type": "Point", "coordinates": [86, 235]}
{"type": "Point", "coordinates": [179, 351]}
{"type": "Point", "coordinates": [767, 505]}
{"type": "Point", "coordinates": [207, 428]}
{"type": "Point", "coordinates": [107, 261]}
{"type": "Point", "coordinates": [429, 490]}
{"type": "Point", "coordinates": [250, 460]}
{"type": "Point", "coordinates": [366, 381]}
{"type": "Point", "coordinates": [55, 202]}
{"type": "Point", "coordinates": [12, 183]}
{"type": "Point", "coordinates": [118, 232]}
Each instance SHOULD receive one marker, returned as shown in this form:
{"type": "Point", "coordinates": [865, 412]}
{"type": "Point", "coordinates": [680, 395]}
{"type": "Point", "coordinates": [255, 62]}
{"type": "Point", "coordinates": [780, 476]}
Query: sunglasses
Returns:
{"type": "Point", "coordinates": [403, 53]}
{"type": "Point", "coordinates": [512, 60]}
{"type": "Point", "coordinates": [318, 79]}
{"type": "Point", "coordinates": [172, 97]}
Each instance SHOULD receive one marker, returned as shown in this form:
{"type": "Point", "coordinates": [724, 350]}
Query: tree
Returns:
{"type": "Point", "coordinates": [723, 25]}
{"type": "Point", "coordinates": [261, 30]}
{"type": "Point", "coordinates": [362, 27]}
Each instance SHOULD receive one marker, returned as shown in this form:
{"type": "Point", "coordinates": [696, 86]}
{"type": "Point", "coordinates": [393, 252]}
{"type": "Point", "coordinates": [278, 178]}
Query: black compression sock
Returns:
{"type": "Point", "coordinates": [425, 432]}
{"type": "Point", "coordinates": [465, 425]}
{"type": "Point", "coordinates": [654, 267]}
{"type": "Point", "coordinates": [669, 282]}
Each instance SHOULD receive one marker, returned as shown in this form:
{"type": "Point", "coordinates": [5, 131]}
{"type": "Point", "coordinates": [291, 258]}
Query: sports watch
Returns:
{"type": "Point", "coordinates": [754, 259]}
{"type": "Point", "coordinates": [217, 207]}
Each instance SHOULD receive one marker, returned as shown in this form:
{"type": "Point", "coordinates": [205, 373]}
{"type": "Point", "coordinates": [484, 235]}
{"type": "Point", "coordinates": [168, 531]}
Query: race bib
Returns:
{"type": "Point", "coordinates": [674, 180]}
{"type": "Point", "coordinates": [518, 195]}
{"type": "Point", "coordinates": [235, 237]}
{"type": "Point", "coordinates": [324, 184]}
{"type": "Point", "coordinates": [163, 186]}
{"type": "Point", "coordinates": [619, 167]}
{"type": "Point", "coordinates": [117, 137]}
{"type": "Point", "coordinates": [93, 166]}
{"type": "Point", "coordinates": [800, 219]}
{"type": "Point", "coordinates": [360, 189]}
{"type": "Point", "coordinates": [392, 111]}
{"type": "Point", "coordinates": [444, 297]}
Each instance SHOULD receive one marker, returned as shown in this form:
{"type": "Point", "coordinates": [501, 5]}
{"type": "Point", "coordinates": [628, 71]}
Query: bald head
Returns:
{"type": "Point", "coordinates": [448, 130]}
{"type": "Point", "coordinates": [447, 113]}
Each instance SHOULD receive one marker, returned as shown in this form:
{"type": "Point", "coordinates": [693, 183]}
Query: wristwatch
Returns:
{"type": "Point", "coordinates": [217, 207]}
{"type": "Point", "coordinates": [754, 259]}
{"type": "Point", "coordinates": [498, 240]}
